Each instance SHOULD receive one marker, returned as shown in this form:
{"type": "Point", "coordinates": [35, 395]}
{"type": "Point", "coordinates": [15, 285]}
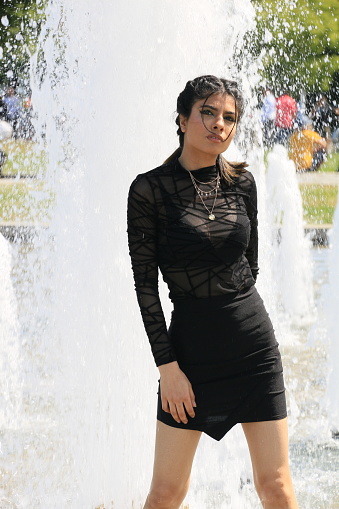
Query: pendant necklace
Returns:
{"type": "Point", "coordinates": [207, 194]}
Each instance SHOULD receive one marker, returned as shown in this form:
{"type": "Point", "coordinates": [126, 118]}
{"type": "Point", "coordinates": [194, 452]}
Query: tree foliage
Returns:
{"type": "Point", "coordinates": [297, 42]}
{"type": "Point", "coordinates": [20, 22]}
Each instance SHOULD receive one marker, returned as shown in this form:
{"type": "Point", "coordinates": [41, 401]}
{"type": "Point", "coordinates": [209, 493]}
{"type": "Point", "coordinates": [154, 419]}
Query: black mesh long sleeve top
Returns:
{"type": "Point", "coordinates": [169, 228]}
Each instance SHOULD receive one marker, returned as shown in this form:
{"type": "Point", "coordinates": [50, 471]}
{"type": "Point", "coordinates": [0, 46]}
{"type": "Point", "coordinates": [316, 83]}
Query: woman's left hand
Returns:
{"type": "Point", "coordinates": [177, 395]}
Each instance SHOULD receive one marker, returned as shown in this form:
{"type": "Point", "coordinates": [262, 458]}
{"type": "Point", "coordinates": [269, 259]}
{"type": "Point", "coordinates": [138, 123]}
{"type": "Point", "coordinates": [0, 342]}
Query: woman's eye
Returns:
{"type": "Point", "coordinates": [206, 112]}
{"type": "Point", "coordinates": [229, 119]}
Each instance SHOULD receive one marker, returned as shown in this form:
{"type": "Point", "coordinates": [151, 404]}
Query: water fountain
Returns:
{"type": "Point", "coordinates": [332, 302]}
{"type": "Point", "coordinates": [9, 342]}
{"type": "Point", "coordinates": [102, 78]}
{"type": "Point", "coordinates": [291, 247]}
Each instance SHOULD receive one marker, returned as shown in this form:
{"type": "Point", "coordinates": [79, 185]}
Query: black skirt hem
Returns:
{"type": "Point", "coordinates": [216, 435]}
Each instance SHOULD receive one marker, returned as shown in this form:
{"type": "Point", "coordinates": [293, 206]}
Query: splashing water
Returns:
{"type": "Point", "coordinates": [292, 260]}
{"type": "Point", "coordinates": [332, 306]}
{"type": "Point", "coordinates": [10, 364]}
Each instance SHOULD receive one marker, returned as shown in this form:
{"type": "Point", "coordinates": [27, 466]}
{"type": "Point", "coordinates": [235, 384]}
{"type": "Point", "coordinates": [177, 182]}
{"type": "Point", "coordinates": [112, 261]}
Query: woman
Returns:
{"type": "Point", "coordinates": [195, 217]}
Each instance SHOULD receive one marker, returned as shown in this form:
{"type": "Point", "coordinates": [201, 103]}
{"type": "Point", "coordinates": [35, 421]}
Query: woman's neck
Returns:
{"type": "Point", "coordinates": [193, 162]}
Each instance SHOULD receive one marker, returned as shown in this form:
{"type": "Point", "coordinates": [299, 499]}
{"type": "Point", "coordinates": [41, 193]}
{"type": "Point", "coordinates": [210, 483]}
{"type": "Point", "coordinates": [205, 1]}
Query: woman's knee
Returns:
{"type": "Point", "coordinates": [166, 496]}
{"type": "Point", "coordinates": [275, 489]}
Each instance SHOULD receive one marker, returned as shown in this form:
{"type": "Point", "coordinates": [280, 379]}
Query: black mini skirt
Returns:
{"type": "Point", "coordinates": [227, 348]}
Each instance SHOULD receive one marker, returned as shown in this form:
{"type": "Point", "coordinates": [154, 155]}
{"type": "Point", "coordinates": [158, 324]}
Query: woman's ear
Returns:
{"type": "Point", "coordinates": [182, 123]}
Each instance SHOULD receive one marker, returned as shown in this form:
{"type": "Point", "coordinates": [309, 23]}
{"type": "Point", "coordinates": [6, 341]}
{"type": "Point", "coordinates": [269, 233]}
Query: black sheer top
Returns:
{"type": "Point", "coordinates": [169, 228]}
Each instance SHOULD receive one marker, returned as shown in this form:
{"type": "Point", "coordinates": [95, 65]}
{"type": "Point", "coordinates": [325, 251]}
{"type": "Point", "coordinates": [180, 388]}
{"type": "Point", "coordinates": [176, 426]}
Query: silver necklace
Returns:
{"type": "Point", "coordinates": [207, 194]}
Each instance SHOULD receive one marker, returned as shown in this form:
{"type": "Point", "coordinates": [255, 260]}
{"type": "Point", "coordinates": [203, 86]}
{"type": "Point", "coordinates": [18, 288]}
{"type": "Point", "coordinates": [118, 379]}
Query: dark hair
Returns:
{"type": "Point", "coordinates": [201, 88]}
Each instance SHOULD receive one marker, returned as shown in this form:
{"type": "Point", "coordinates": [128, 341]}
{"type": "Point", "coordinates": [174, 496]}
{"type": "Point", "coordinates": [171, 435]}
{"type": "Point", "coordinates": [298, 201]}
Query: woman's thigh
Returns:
{"type": "Point", "coordinates": [268, 446]}
{"type": "Point", "coordinates": [174, 453]}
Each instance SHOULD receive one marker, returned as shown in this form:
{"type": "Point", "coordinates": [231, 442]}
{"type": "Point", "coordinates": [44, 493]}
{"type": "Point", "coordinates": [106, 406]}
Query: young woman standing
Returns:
{"type": "Point", "coordinates": [195, 218]}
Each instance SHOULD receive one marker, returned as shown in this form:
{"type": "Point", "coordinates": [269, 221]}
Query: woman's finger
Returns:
{"type": "Point", "coordinates": [189, 407]}
{"type": "Point", "coordinates": [165, 405]}
{"type": "Point", "coordinates": [192, 396]}
{"type": "Point", "coordinates": [181, 413]}
{"type": "Point", "coordinates": [173, 411]}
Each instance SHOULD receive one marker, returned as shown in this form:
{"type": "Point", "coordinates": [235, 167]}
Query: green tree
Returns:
{"type": "Point", "coordinates": [20, 23]}
{"type": "Point", "coordinates": [297, 42]}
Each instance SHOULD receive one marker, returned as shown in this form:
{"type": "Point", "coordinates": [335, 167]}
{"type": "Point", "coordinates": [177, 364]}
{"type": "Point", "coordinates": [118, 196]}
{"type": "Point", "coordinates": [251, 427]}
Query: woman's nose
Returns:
{"type": "Point", "coordinates": [219, 123]}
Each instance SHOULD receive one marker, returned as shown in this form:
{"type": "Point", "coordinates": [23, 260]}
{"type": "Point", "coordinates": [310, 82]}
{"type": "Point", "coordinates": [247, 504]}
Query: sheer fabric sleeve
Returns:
{"type": "Point", "coordinates": [252, 212]}
{"type": "Point", "coordinates": [142, 240]}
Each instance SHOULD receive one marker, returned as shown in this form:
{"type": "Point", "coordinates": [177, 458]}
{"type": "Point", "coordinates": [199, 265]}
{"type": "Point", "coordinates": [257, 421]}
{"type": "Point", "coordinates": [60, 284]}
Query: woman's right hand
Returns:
{"type": "Point", "coordinates": [177, 396]}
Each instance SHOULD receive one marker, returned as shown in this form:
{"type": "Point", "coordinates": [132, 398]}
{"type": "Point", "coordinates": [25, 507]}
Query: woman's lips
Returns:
{"type": "Point", "coordinates": [215, 138]}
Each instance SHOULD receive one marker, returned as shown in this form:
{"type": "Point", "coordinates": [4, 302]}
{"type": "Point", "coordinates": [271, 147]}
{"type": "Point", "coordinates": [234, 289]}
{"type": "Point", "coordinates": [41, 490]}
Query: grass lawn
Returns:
{"type": "Point", "coordinates": [319, 203]}
{"type": "Point", "coordinates": [331, 164]}
{"type": "Point", "coordinates": [23, 200]}
{"type": "Point", "coordinates": [24, 158]}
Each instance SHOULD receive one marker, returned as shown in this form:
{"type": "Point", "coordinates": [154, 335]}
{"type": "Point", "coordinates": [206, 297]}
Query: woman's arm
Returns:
{"type": "Point", "coordinates": [142, 240]}
{"type": "Point", "coordinates": [252, 212]}
{"type": "Point", "coordinates": [176, 390]}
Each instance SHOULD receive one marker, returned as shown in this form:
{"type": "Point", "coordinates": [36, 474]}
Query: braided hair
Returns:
{"type": "Point", "coordinates": [202, 88]}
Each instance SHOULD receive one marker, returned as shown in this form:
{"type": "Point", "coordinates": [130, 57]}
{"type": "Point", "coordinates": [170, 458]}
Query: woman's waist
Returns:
{"type": "Point", "coordinates": [205, 283]}
{"type": "Point", "coordinates": [211, 301]}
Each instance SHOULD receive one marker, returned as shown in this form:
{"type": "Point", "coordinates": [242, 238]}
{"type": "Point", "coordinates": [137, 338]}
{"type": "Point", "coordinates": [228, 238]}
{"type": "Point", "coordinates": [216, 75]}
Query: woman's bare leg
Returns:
{"type": "Point", "coordinates": [268, 445]}
{"type": "Point", "coordinates": [174, 453]}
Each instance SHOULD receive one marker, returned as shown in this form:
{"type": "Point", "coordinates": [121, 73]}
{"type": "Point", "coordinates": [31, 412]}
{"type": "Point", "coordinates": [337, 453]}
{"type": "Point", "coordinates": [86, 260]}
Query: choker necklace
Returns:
{"type": "Point", "coordinates": [206, 194]}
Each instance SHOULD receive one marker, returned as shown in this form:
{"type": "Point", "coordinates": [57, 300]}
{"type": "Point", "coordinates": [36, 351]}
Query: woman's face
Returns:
{"type": "Point", "coordinates": [211, 125]}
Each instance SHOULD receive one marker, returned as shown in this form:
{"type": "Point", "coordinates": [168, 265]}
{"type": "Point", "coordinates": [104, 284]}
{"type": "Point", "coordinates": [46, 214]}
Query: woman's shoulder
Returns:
{"type": "Point", "coordinates": [144, 183]}
{"type": "Point", "coordinates": [163, 169]}
{"type": "Point", "coordinates": [244, 177]}
{"type": "Point", "coordinates": [247, 176]}
{"type": "Point", "coordinates": [245, 185]}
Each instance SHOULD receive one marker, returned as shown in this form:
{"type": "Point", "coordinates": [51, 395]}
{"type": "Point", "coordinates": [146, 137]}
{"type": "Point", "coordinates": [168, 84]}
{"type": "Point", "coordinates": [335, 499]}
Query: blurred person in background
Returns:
{"type": "Point", "coordinates": [27, 130]}
{"type": "Point", "coordinates": [286, 112]}
{"type": "Point", "coordinates": [322, 115]}
{"type": "Point", "coordinates": [307, 148]}
{"type": "Point", "coordinates": [2, 105]}
{"type": "Point", "coordinates": [335, 132]}
{"type": "Point", "coordinates": [12, 108]}
{"type": "Point", "coordinates": [6, 130]}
